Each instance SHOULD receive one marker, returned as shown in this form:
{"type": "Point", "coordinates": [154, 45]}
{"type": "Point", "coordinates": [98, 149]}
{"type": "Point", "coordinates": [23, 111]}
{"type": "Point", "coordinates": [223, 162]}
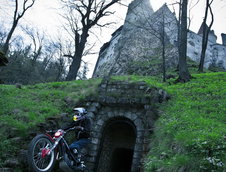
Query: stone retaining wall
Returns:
{"type": "Point", "coordinates": [123, 116]}
{"type": "Point", "coordinates": [131, 105]}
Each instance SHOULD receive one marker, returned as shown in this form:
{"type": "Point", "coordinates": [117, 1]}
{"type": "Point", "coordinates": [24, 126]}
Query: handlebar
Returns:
{"type": "Point", "coordinates": [51, 131]}
{"type": "Point", "coordinates": [65, 131]}
{"type": "Point", "coordinates": [69, 129]}
{"type": "Point", "coordinates": [75, 127]}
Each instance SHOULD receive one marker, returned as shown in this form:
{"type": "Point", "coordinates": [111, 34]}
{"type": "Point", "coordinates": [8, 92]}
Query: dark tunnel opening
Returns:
{"type": "Point", "coordinates": [121, 160]}
{"type": "Point", "coordinates": [117, 146]}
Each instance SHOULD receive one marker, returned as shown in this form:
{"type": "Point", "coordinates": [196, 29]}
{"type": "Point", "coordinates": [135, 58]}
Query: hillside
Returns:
{"type": "Point", "coordinates": [21, 110]}
{"type": "Point", "coordinates": [190, 134]}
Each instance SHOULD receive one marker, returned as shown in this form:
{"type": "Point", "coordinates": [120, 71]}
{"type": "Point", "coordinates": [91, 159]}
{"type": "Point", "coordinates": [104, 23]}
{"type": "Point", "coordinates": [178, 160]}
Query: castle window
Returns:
{"type": "Point", "coordinates": [191, 43]}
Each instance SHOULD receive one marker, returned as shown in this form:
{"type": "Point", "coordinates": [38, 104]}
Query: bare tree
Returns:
{"type": "Point", "coordinates": [82, 74]}
{"type": "Point", "coordinates": [3, 59]}
{"type": "Point", "coordinates": [184, 75]}
{"type": "Point", "coordinates": [56, 52]}
{"type": "Point", "coordinates": [16, 17]}
{"type": "Point", "coordinates": [157, 26]}
{"type": "Point", "coordinates": [205, 31]}
{"type": "Point", "coordinates": [37, 40]}
{"type": "Point", "coordinates": [84, 15]}
{"type": "Point", "coordinates": [3, 35]}
{"type": "Point", "coordinates": [162, 37]}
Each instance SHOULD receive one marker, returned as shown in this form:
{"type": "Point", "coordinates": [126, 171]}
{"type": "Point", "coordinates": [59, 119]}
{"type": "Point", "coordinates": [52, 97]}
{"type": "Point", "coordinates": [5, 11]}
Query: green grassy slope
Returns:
{"type": "Point", "coordinates": [22, 109]}
{"type": "Point", "coordinates": [190, 134]}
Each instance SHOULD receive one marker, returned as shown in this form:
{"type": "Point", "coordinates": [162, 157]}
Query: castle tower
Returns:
{"type": "Point", "coordinates": [124, 40]}
{"type": "Point", "coordinates": [223, 36]}
{"type": "Point", "coordinates": [133, 49]}
{"type": "Point", "coordinates": [137, 13]}
{"type": "Point", "coordinates": [212, 37]}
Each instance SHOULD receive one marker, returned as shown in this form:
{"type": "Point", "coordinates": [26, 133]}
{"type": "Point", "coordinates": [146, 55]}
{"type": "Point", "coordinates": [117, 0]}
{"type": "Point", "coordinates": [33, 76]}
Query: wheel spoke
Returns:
{"type": "Point", "coordinates": [43, 163]}
{"type": "Point", "coordinates": [37, 163]}
{"type": "Point", "coordinates": [40, 162]}
{"type": "Point", "coordinates": [36, 156]}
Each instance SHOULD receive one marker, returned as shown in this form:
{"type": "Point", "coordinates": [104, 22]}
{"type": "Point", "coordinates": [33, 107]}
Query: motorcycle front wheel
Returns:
{"type": "Point", "coordinates": [38, 157]}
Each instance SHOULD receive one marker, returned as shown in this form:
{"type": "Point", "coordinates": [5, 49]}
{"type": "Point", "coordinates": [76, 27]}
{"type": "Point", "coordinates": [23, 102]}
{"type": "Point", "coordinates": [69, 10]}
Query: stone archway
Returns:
{"type": "Point", "coordinates": [117, 146]}
{"type": "Point", "coordinates": [123, 115]}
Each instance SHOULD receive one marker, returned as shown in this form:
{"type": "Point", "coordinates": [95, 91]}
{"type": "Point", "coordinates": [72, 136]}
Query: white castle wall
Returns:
{"type": "Point", "coordinates": [212, 38]}
{"type": "Point", "coordinates": [219, 55]}
{"type": "Point", "coordinates": [123, 47]}
{"type": "Point", "coordinates": [134, 43]}
{"type": "Point", "coordinates": [215, 53]}
{"type": "Point", "coordinates": [107, 57]}
{"type": "Point", "coordinates": [170, 22]}
{"type": "Point", "coordinates": [194, 47]}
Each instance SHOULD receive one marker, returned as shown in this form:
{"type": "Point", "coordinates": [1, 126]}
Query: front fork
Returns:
{"type": "Point", "coordinates": [47, 151]}
{"type": "Point", "coordinates": [55, 145]}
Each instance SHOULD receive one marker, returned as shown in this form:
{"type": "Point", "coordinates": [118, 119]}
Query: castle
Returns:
{"type": "Point", "coordinates": [136, 47]}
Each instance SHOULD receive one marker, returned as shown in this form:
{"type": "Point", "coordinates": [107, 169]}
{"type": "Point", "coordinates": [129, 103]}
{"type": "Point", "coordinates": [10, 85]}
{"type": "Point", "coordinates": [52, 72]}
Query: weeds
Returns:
{"type": "Point", "coordinates": [195, 121]}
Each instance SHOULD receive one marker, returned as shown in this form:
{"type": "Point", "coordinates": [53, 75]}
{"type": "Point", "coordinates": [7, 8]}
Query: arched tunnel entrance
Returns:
{"type": "Point", "coordinates": [117, 146]}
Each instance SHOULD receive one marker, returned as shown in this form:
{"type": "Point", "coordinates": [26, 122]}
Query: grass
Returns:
{"type": "Point", "coordinates": [22, 109]}
{"type": "Point", "coordinates": [193, 125]}
{"type": "Point", "coordinates": [190, 134]}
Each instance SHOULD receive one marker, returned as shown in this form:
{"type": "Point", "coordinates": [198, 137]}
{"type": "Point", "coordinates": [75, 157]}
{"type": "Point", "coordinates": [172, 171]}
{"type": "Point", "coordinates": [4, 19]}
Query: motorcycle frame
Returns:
{"type": "Point", "coordinates": [62, 147]}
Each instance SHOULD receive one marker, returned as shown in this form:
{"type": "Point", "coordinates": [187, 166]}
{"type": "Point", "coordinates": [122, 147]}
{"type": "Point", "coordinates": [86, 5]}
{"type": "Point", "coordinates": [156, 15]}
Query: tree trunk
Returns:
{"type": "Point", "coordinates": [6, 44]}
{"type": "Point", "coordinates": [203, 54]}
{"type": "Point", "coordinates": [184, 75]}
{"type": "Point", "coordinates": [3, 59]}
{"type": "Point", "coordinates": [206, 30]}
{"type": "Point", "coordinates": [163, 50]}
{"type": "Point", "coordinates": [77, 58]}
{"type": "Point", "coordinates": [164, 63]}
{"type": "Point", "coordinates": [73, 69]}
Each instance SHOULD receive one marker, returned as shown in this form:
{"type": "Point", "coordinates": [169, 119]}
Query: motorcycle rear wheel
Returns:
{"type": "Point", "coordinates": [36, 159]}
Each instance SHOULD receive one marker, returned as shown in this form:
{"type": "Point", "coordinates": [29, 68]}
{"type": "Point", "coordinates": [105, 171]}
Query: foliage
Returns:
{"type": "Point", "coordinates": [23, 69]}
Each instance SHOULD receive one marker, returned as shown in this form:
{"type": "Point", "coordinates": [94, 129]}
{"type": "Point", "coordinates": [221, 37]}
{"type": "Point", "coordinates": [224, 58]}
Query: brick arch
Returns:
{"type": "Point", "coordinates": [124, 117]}
{"type": "Point", "coordinates": [116, 145]}
{"type": "Point", "coordinates": [134, 105]}
{"type": "Point", "coordinates": [116, 119]}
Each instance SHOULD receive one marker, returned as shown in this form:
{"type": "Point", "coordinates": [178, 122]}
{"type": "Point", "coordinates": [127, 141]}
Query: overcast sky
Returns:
{"type": "Point", "coordinates": [44, 15]}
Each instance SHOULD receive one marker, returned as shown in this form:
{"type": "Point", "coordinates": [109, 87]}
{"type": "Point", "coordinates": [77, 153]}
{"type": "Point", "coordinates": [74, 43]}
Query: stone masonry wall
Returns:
{"type": "Point", "coordinates": [123, 116]}
{"type": "Point", "coordinates": [132, 104]}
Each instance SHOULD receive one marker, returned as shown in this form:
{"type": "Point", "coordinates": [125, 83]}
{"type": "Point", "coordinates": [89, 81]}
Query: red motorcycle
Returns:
{"type": "Point", "coordinates": [45, 149]}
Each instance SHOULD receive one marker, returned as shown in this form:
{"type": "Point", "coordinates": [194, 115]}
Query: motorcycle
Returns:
{"type": "Point", "coordinates": [45, 149]}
